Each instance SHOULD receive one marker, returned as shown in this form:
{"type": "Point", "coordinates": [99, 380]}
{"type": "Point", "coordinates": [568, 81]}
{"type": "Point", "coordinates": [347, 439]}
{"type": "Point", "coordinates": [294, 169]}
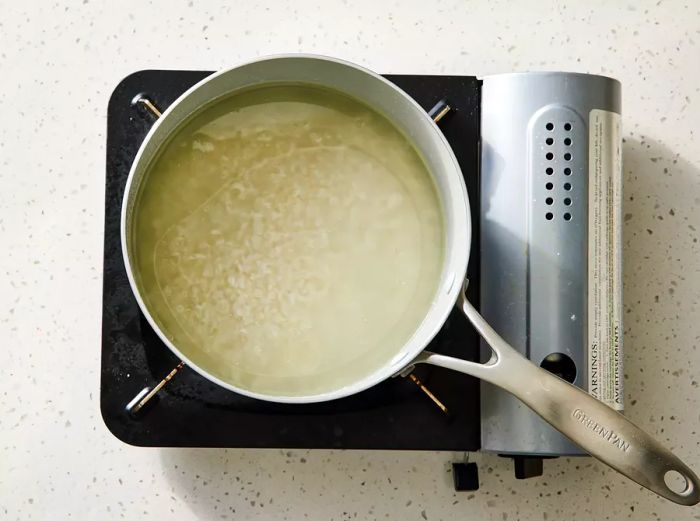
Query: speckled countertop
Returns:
{"type": "Point", "coordinates": [59, 63]}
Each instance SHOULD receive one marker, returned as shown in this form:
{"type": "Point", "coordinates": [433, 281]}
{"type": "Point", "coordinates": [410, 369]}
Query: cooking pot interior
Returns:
{"type": "Point", "coordinates": [405, 115]}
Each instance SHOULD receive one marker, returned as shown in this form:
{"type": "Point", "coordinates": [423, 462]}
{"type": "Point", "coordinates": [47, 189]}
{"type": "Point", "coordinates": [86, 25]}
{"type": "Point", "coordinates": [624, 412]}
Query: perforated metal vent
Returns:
{"type": "Point", "coordinates": [556, 158]}
{"type": "Point", "coordinates": [558, 149]}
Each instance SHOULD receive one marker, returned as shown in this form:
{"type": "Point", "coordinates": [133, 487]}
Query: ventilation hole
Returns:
{"type": "Point", "coordinates": [567, 141]}
{"type": "Point", "coordinates": [549, 126]}
{"type": "Point", "coordinates": [567, 186]}
{"type": "Point", "coordinates": [567, 216]}
{"type": "Point", "coordinates": [567, 157]}
{"type": "Point", "coordinates": [549, 186]}
{"type": "Point", "coordinates": [567, 171]}
{"type": "Point", "coordinates": [549, 171]}
{"type": "Point", "coordinates": [549, 156]}
{"type": "Point", "coordinates": [549, 141]}
{"type": "Point", "coordinates": [549, 216]}
{"type": "Point", "coordinates": [567, 201]}
{"type": "Point", "coordinates": [549, 200]}
{"type": "Point", "coordinates": [561, 365]}
{"type": "Point", "coordinates": [567, 126]}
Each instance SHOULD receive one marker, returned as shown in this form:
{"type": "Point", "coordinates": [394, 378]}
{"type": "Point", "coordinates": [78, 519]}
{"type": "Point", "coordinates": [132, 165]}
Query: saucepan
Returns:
{"type": "Point", "coordinates": [596, 428]}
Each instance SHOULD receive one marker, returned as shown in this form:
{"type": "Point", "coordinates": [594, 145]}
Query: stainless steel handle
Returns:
{"type": "Point", "coordinates": [604, 433]}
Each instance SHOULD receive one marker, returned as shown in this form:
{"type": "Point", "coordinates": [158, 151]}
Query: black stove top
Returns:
{"type": "Point", "coordinates": [192, 412]}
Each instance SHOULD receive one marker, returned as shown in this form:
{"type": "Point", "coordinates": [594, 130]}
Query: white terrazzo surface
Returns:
{"type": "Point", "coordinates": [59, 63]}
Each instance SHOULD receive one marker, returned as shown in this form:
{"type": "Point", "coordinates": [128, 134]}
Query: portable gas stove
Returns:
{"type": "Point", "coordinates": [149, 398]}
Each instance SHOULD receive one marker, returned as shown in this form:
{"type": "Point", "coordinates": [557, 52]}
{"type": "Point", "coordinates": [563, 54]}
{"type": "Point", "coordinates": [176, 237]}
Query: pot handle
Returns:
{"type": "Point", "coordinates": [598, 429]}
